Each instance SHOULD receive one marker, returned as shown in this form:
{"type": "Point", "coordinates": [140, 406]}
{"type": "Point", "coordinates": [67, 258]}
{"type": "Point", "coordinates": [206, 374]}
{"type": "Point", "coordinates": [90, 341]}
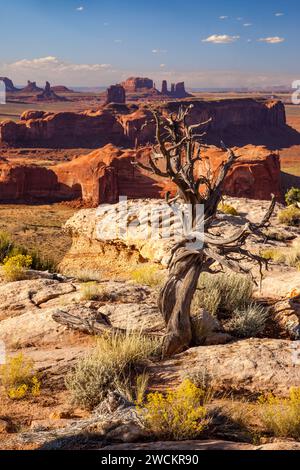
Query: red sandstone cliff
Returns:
{"type": "Point", "coordinates": [237, 121]}
{"type": "Point", "coordinates": [26, 183]}
{"type": "Point", "coordinates": [64, 129]}
{"type": "Point", "coordinates": [107, 173]}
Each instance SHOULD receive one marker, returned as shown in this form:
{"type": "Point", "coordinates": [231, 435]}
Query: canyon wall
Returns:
{"type": "Point", "coordinates": [232, 120]}
{"type": "Point", "coordinates": [108, 173]}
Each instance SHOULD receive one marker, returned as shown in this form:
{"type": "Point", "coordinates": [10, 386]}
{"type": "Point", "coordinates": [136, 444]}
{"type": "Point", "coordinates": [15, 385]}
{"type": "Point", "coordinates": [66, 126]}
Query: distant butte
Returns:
{"type": "Point", "coordinates": [9, 86]}
{"type": "Point", "coordinates": [49, 95]}
{"type": "Point", "coordinates": [31, 88]}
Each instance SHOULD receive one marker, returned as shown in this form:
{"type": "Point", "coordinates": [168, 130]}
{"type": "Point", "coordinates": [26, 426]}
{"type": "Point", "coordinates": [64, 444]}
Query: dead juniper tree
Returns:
{"type": "Point", "coordinates": [175, 155]}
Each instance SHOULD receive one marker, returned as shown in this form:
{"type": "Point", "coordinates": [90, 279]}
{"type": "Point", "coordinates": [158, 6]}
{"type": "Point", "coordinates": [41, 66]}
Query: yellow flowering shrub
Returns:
{"type": "Point", "coordinates": [227, 209]}
{"type": "Point", "coordinates": [178, 415]}
{"type": "Point", "coordinates": [14, 268]}
{"type": "Point", "coordinates": [281, 416]}
{"type": "Point", "coordinates": [18, 378]}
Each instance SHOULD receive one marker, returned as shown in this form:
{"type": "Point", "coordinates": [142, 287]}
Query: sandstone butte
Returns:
{"type": "Point", "coordinates": [234, 121]}
{"type": "Point", "coordinates": [107, 173]}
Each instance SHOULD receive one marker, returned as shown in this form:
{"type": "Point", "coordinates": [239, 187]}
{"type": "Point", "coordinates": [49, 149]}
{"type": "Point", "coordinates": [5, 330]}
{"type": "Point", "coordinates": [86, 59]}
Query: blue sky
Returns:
{"type": "Point", "coordinates": [98, 42]}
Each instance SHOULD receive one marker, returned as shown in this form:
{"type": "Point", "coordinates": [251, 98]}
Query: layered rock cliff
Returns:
{"type": "Point", "coordinates": [107, 173]}
{"type": "Point", "coordinates": [235, 121]}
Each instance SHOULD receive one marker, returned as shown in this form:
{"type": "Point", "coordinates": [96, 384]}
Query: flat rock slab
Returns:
{"type": "Point", "coordinates": [21, 296]}
{"type": "Point", "coordinates": [29, 328]}
{"type": "Point", "coordinates": [134, 316]}
{"type": "Point", "coordinates": [251, 366]}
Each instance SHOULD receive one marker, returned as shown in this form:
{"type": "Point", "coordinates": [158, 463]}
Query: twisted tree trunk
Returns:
{"type": "Point", "coordinates": [176, 297]}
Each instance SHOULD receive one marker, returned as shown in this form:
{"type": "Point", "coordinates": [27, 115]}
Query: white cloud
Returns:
{"type": "Point", "coordinates": [118, 41]}
{"type": "Point", "coordinates": [247, 25]}
{"type": "Point", "coordinates": [223, 17]}
{"type": "Point", "coordinates": [221, 39]}
{"type": "Point", "coordinates": [162, 66]}
{"type": "Point", "coordinates": [54, 70]}
{"type": "Point", "coordinates": [272, 40]}
{"type": "Point", "coordinates": [279, 14]}
{"type": "Point", "coordinates": [80, 8]}
{"type": "Point", "coordinates": [53, 63]}
{"type": "Point", "coordinates": [159, 51]}
{"type": "Point", "coordinates": [239, 18]}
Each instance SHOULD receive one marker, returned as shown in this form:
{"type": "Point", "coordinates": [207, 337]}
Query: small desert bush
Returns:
{"type": "Point", "coordinates": [8, 249]}
{"type": "Point", "coordinates": [114, 359]}
{"type": "Point", "coordinates": [134, 389]}
{"type": "Point", "coordinates": [290, 216]}
{"type": "Point", "coordinates": [5, 245]}
{"type": "Point", "coordinates": [227, 209]}
{"type": "Point", "coordinates": [87, 275]}
{"type": "Point", "coordinates": [202, 380]}
{"type": "Point", "coordinates": [224, 292]}
{"type": "Point", "coordinates": [178, 415]}
{"type": "Point", "coordinates": [281, 417]}
{"type": "Point", "coordinates": [289, 255]}
{"type": "Point", "coordinates": [148, 275]}
{"type": "Point", "coordinates": [93, 291]}
{"type": "Point", "coordinates": [18, 378]}
{"type": "Point", "coordinates": [14, 268]}
{"type": "Point", "coordinates": [40, 263]}
{"type": "Point", "coordinates": [292, 196]}
{"type": "Point", "coordinates": [248, 322]}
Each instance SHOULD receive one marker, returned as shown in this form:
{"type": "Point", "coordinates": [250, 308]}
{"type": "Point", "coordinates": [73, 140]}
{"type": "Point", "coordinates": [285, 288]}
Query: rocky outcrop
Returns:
{"type": "Point", "coordinates": [9, 86]}
{"type": "Point", "coordinates": [106, 174]}
{"type": "Point", "coordinates": [252, 366]}
{"type": "Point", "coordinates": [255, 175]}
{"type": "Point", "coordinates": [135, 84]}
{"type": "Point", "coordinates": [49, 95]}
{"type": "Point", "coordinates": [115, 94]}
{"type": "Point", "coordinates": [114, 237]}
